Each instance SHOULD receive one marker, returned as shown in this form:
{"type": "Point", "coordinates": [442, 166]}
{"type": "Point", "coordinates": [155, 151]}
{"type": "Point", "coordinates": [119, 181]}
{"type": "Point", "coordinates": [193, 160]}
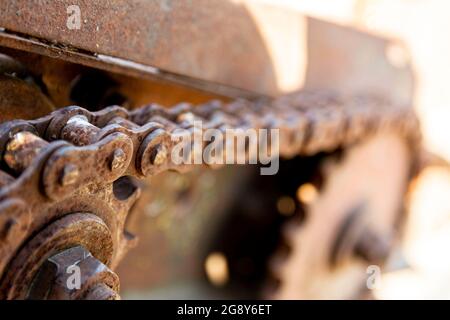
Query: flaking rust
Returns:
{"type": "Point", "coordinates": [106, 148]}
{"type": "Point", "coordinates": [72, 181]}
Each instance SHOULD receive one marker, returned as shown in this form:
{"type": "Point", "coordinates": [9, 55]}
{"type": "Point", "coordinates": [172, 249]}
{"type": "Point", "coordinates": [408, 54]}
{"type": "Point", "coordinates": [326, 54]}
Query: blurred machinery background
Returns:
{"type": "Point", "coordinates": [422, 26]}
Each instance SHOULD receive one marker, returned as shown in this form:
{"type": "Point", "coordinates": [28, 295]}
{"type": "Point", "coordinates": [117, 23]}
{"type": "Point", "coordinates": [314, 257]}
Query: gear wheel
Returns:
{"type": "Point", "coordinates": [350, 225]}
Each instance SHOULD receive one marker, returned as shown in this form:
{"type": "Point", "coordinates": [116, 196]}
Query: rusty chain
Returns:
{"type": "Point", "coordinates": [50, 159]}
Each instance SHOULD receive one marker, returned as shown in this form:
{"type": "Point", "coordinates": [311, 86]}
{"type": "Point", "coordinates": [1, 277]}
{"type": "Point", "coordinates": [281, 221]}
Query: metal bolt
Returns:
{"type": "Point", "coordinates": [69, 175]}
{"type": "Point", "coordinates": [118, 159]}
{"type": "Point", "coordinates": [96, 281]}
{"type": "Point", "coordinates": [159, 155]}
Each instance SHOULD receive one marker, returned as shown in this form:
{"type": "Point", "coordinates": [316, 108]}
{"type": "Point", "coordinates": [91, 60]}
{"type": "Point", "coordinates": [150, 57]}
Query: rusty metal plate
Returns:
{"type": "Point", "coordinates": [246, 45]}
{"type": "Point", "coordinates": [181, 37]}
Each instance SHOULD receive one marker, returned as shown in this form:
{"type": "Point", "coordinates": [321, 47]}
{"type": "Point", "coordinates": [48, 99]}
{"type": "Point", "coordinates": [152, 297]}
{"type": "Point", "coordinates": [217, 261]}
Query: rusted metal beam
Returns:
{"type": "Point", "coordinates": [245, 44]}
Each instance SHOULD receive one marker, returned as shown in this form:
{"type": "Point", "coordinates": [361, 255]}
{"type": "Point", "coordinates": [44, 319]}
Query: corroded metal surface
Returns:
{"type": "Point", "coordinates": [89, 171]}
{"type": "Point", "coordinates": [202, 43]}
{"type": "Point", "coordinates": [151, 37]}
{"type": "Point", "coordinates": [75, 84]}
{"type": "Point", "coordinates": [68, 180]}
{"type": "Point", "coordinates": [97, 282]}
{"type": "Point", "coordinates": [17, 97]}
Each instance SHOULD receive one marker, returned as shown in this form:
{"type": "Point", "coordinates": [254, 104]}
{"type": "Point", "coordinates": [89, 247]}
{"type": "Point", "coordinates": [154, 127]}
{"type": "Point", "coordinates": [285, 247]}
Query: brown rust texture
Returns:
{"type": "Point", "coordinates": [83, 229]}
{"type": "Point", "coordinates": [22, 149]}
{"type": "Point", "coordinates": [146, 32]}
{"type": "Point", "coordinates": [329, 125]}
{"type": "Point", "coordinates": [22, 100]}
{"type": "Point", "coordinates": [215, 41]}
{"type": "Point", "coordinates": [218, 41]}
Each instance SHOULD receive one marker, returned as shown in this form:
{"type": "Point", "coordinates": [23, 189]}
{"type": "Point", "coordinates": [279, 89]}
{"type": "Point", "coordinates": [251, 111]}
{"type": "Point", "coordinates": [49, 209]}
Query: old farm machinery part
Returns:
{"type": "Point", "coordinates": [90, 165]}
{"type": "Point", "coordinates": [65, 179]}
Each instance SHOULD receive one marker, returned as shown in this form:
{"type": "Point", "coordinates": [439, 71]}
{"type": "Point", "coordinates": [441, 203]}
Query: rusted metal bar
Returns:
{"type": "Point", "coordinates": [218, 41]}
